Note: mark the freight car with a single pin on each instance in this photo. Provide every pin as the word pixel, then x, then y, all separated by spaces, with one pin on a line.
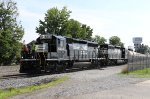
pixel 57 52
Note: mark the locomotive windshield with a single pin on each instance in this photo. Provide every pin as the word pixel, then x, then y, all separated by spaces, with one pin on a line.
pixel 104 47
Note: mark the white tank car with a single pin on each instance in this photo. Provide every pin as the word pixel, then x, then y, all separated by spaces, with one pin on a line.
pixel 134 56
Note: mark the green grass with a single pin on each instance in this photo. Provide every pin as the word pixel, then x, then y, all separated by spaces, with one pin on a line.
pixel 145 73
pixel 141 73
pixel 15 91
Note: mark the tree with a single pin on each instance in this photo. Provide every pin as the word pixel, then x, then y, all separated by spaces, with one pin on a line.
pixel 86 32
pixel 143 49
pixel 55 21
pixel 100 40
pixel 11 32
pixel 73 28
pixel 148 50
pixel 77 30
pixel 121 44
pixel 115 40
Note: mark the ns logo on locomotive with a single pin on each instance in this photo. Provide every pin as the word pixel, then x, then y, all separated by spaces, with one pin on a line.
pixel 49 53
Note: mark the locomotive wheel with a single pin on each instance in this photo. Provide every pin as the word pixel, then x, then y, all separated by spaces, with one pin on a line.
pixel 64 67
pixel 70 64
pixel 99 65
pixel 102 63
pixel 116 63
pixel 22 69
pixel 94 64
pixel 56 68
pixel 37 70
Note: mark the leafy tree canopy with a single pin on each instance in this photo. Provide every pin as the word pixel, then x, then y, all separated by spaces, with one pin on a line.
pixel 100 40
pixel 144 49
pixel 54 22
pixel 73 28
pixel 115 40
pixel 57 22
pixel 86 32
pixel 11 32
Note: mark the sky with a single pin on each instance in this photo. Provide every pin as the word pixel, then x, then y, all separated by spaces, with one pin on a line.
pixel 123 18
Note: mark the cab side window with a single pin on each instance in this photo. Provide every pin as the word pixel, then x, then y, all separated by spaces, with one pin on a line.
pixel 53 45
pixel 60 43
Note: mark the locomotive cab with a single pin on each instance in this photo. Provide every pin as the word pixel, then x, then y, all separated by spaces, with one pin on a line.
pixel 56 54
pixel 54 46
pixel 103 51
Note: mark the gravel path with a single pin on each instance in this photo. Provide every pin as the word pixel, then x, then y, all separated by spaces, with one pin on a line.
pixel 84 82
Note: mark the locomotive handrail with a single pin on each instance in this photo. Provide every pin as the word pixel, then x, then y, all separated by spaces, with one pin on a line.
pixel 78 54
pixel 44 61
pixel 50 51
pixel 74 55
pixel 39 58
pixel 28 59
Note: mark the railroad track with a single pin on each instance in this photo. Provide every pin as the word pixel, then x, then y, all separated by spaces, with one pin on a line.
pixel 12 72
pixel 9 74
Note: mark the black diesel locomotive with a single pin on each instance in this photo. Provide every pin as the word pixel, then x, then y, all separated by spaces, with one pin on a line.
pixel 110 54
pixel 55 53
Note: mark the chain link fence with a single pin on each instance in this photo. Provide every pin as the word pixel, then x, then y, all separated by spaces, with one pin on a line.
pixel 137 61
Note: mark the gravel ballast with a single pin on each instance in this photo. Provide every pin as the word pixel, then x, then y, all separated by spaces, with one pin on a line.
pixel 11 78
pixel 15 83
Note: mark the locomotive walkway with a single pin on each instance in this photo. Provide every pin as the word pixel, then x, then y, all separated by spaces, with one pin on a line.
pixel 95 84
